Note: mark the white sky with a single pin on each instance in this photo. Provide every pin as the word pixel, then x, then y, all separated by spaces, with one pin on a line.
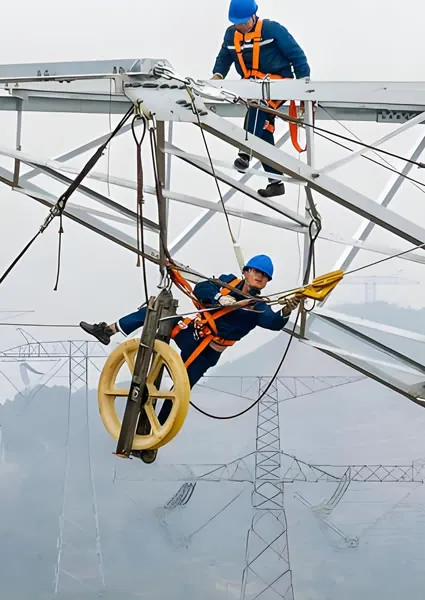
pixel 99 281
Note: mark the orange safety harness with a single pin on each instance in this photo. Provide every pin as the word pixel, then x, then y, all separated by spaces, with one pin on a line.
pixel 255 36
pixel 204 323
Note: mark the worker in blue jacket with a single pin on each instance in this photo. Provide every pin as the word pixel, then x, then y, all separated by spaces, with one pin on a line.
pixel 259 47
pixel 231 327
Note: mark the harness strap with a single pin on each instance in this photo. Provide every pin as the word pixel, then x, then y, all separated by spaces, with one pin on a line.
pixel 255 37
pixel 204 322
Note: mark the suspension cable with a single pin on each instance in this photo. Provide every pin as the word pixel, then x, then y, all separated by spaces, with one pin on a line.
pixel 59 207
pixel 316 128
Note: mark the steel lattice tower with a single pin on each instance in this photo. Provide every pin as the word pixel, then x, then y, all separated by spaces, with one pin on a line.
pixel 267 574
pixel 79 564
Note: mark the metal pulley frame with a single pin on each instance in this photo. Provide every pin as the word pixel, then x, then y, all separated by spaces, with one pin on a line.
pixel 146 359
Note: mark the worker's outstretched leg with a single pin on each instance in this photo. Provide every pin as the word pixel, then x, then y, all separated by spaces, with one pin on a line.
pixel 262 125
pixel 126 325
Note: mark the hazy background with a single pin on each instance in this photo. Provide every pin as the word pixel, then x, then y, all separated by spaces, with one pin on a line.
pixel 361 423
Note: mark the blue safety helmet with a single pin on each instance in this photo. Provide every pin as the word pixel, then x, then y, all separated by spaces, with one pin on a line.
pixel 240 11
pixel 262 263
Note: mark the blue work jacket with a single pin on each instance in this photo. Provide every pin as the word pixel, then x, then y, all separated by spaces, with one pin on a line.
pixel 239 322
pixel 280 54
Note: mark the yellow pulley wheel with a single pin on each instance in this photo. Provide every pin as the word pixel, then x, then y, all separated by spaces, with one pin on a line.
pixel 163 356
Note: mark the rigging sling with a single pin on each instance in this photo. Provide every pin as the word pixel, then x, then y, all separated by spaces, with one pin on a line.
pixel 204 323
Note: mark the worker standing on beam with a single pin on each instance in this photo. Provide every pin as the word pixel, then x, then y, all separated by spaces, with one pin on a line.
pixel 259 48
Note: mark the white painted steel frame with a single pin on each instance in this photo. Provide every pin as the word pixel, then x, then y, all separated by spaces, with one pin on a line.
pixel 384 101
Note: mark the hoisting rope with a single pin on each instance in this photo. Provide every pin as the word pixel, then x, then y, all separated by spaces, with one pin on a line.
pixel 181 283
pixel 315 128
pixel 310 261
pixel 58 209
pixel 236 247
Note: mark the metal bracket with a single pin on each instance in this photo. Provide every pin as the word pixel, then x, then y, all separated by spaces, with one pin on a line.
pixel 154 328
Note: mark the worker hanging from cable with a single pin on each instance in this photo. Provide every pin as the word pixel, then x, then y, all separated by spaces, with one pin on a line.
pixel 203 339
pixel 257 48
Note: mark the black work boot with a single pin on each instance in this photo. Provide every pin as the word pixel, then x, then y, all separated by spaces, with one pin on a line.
pixel 274 188
pixel 101 331
pixel 241 164
pixel 144 428
pixel 148 456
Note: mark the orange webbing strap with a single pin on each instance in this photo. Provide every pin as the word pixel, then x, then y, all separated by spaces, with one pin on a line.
pixel 199 348
pixel 255 36
pixel 184 285
pixel 205 342
pixel 207 320
pixel 293 127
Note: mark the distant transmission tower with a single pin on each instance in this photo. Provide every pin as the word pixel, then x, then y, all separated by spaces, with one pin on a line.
pixel 79 565
pixel 267 571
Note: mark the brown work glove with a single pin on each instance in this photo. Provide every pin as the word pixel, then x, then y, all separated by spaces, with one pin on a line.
pixel 289 304
pixel 217 76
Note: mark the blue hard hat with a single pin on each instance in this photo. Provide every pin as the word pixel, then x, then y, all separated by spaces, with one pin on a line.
pixel 262 263
pixel 240 11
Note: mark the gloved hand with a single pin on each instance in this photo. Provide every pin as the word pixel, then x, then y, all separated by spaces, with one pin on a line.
pixel 217 76
pixel 289 304
pixel 226 300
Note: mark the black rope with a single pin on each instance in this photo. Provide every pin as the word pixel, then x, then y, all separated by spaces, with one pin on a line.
pixel 20 255
pixel 140 201
pixel 418 184
pixel 289 119
pixel 59 207
pixel 196 113
pixel 160 198
pixel 310 262
pixel 263 393
pixel 59 251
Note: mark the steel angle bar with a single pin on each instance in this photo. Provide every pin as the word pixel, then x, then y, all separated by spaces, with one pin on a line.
pixel 100 213
pixel 350 346
pixel 324 184
pixel 36 71
pixel 213 207
pixel 202 220
pixel 376 248
pixel 394 93
pixel 358 336
pixel 94 224
pixel 185 199
pixel 98 197
pixel 43 167
pixel 393 186
pixel 365 368
pixel 360 152
pixel 329 324
pixel 229 166
pixel 243 188
pixel 358 321
pixel 365 359
pixel 95 143
pixel 124 240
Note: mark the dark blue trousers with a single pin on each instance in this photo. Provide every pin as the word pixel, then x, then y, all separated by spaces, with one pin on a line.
pixel 255 121
pixel 187 343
